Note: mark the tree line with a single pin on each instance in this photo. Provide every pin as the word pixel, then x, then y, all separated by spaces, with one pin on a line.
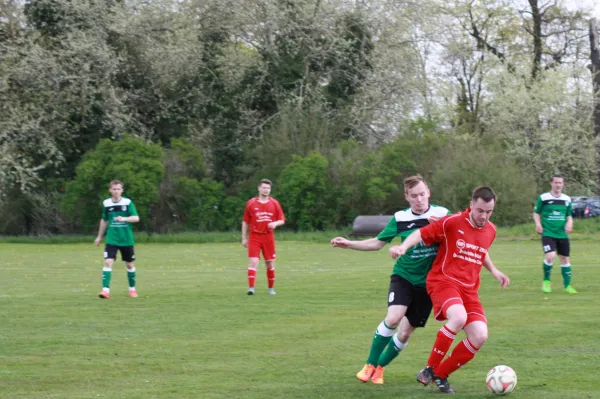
pixel 190 103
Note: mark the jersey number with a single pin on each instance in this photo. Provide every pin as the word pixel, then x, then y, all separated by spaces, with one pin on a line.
pixel 546 248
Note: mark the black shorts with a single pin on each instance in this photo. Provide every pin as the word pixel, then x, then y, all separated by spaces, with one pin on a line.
pixel 561 245
pixel 127 254
pixel 416 299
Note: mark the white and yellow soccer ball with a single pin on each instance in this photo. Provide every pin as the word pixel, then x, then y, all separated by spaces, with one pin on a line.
pixel 501 380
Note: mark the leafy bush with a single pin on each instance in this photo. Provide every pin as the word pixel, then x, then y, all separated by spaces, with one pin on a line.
pixel 468 163
pixel 136 163
pixel 304 185
pixel 203 205
pixel 188 200
pixel 360 183
pixel 415 151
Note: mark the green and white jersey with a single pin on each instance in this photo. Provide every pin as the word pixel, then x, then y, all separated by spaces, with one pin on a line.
pixel 553 213
pixel 118 233
pixel 416 263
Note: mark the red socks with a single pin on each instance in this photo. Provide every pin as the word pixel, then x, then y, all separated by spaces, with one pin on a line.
pixel 442 344
pixel 271 277
pixel 461 355
pixel 251 276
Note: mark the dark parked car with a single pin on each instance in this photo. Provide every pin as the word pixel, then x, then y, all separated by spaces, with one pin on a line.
pixel 581 205
pixel 592 207
pixel 578 207
pixel 578 198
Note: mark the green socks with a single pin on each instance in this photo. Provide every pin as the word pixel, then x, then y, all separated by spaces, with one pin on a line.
pixel 392 350
pixel 547 271
pixel 106 274
pixel 131 277
pixel 382 337
pixel 565 271
pixel 566 274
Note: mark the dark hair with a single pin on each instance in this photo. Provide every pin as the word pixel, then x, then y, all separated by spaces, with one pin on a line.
pixel 557 175
pixel 485 193
pixel 412 181
pixel 115 182
pixel 265 181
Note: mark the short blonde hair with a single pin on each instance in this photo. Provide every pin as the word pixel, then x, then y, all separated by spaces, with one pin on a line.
pixel 115 182
pixel 412 181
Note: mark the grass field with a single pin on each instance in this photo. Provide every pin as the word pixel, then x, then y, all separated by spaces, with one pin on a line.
pixel 193 332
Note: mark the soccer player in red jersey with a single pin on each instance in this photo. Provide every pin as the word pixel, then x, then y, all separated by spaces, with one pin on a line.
pixel 453 283
pixel 262 216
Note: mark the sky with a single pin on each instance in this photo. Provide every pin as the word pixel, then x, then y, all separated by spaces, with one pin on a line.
pixel 593 4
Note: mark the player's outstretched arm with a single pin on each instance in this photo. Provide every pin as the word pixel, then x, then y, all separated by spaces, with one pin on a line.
pixel 413 239
pixel 128 219
pixel 498 275
pixel 372 244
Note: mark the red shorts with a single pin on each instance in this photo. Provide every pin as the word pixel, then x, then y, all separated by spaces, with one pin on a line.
pixel 446 293
pixel 262 242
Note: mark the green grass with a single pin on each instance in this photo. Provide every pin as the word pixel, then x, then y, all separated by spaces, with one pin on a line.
pixel 193 333
pixel 177 238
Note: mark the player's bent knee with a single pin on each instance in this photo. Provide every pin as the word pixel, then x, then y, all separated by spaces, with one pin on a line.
pixel 392 321
pixel 457 317
pixel 404 335
pixel 405 330
pixel 478 339
pixel 477 333
pixel 456 324
pixel 395 315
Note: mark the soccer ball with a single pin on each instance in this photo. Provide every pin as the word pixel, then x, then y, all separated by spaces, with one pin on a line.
pixel 501 380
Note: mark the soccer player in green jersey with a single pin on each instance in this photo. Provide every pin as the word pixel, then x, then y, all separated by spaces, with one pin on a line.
pixel 118 213
pixel 554 221
pixel 409 305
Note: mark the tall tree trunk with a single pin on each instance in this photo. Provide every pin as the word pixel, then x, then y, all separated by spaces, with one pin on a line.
pixel 537 38
pixel 595 68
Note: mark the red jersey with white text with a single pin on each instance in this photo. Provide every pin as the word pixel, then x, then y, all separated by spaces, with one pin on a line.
pixel 463 248
pixel 259 214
